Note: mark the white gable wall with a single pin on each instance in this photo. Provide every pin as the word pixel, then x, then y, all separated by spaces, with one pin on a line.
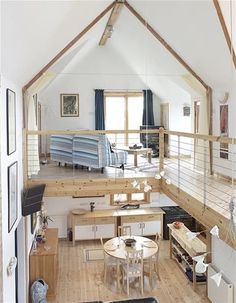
pixel 103 68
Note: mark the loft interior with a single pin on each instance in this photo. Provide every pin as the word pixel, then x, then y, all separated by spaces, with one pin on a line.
pixel 108 104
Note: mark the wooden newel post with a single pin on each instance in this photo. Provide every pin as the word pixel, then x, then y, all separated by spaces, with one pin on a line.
pixel 161 148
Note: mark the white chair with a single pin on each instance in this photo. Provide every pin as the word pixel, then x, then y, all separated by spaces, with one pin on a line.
pixel 133 268
pixel 109 262
pixel 151 265
pixel 158 240
pixel 124 230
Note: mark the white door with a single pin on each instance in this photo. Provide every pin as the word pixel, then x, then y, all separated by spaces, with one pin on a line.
pixel 84 232
pixel 151 228
pixel 105 231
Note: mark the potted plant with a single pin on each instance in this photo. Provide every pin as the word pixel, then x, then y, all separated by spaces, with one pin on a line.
pixel 44 219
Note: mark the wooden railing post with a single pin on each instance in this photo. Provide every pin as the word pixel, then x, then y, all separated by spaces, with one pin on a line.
pixel 25 157
pixel 161 148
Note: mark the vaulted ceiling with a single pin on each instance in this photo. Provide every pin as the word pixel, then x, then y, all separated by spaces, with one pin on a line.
pixel 33 32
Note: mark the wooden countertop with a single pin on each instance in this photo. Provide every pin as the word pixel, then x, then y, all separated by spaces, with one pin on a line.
pixel 194 247
pixel 50 246
pixel 120 212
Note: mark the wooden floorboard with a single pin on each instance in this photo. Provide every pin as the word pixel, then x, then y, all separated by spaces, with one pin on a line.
pixel 80 281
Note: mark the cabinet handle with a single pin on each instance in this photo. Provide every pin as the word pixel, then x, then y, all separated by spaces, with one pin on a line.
pixel 143 225
pixel 96 228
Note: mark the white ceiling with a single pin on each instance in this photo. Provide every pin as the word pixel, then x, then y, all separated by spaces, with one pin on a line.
pixel 33 32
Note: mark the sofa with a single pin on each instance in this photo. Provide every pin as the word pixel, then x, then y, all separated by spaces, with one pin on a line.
pixel 90 150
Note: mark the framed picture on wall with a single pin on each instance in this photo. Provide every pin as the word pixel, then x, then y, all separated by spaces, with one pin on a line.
pixel 69 105
pixel 11 121
pixel 12 195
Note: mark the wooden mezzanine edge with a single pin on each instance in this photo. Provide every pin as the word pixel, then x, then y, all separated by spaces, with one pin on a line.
pixel 90 187
pixel 206 216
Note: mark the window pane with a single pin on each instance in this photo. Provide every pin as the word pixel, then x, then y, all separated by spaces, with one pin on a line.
pixel 135 113
pixel 120 198
pixel 115 118
pixel 137 196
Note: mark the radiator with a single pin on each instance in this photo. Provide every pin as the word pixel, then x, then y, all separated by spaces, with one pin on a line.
pixel 221 294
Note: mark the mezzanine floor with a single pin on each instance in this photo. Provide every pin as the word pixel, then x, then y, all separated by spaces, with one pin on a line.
pixel 80 281
pixel 215 192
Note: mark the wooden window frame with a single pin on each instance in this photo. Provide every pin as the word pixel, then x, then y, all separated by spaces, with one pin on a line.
pixel 126 96
pixel 129 200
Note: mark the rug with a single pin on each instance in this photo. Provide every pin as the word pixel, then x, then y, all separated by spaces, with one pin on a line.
pixel 93 254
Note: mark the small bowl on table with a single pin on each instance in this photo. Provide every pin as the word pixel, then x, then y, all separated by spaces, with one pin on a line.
pixel 130 242
pixel 177 224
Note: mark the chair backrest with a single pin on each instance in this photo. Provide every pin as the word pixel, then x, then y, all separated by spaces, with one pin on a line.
pixel 134 257
pixel 124 230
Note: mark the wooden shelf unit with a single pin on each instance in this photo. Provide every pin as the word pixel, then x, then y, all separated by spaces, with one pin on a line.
pixel 44 262
pixel 185 249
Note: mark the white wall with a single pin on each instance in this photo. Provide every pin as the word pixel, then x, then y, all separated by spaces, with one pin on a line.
pixel 8 238
pixel 59 208
pixel 224 166
pixel 224 258
pixel 177 99
pixel 102 68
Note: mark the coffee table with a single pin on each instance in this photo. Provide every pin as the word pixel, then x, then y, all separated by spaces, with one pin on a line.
pixel 136 152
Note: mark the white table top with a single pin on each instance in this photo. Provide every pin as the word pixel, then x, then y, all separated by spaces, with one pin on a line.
pixel 116 247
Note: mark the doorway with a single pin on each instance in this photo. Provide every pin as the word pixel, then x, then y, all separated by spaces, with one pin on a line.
pixel 164 121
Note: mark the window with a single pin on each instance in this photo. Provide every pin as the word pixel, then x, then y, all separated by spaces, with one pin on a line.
pixel 119 115
pixel 131 198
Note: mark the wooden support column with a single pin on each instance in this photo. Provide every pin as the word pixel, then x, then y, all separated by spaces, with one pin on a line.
pixel 161 148
pixel 209 114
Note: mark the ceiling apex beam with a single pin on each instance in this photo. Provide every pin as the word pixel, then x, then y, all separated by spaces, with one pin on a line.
pixel 164 43
pixel 68 46
pixel 110 23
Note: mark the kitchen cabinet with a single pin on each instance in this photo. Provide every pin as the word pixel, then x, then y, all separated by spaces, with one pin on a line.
pixel 144 225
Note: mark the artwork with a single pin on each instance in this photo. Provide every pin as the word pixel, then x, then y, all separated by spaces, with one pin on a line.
pixel 12 195
pixel 11 122
pixel 69 105
pixel 224 131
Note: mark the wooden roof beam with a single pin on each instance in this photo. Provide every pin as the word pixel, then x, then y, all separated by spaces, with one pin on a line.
pixel 225 30
pixel 68 46
pixel 110 23
pixel 164 43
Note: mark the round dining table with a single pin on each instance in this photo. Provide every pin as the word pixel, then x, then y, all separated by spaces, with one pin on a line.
pixel 117 248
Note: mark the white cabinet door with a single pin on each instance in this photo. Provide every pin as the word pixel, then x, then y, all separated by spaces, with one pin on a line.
pixel 151 228
pixel 105 231
pixel 84 232
pixel 136 228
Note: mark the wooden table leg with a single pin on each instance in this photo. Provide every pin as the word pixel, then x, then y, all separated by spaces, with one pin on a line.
pixel 149 154
pixel 135 159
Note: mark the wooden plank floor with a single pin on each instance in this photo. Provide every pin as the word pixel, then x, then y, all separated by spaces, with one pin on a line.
pixel 80 281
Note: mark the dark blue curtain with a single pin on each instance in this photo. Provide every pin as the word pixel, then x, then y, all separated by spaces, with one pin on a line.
pixel 148 117
pixel 99 109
